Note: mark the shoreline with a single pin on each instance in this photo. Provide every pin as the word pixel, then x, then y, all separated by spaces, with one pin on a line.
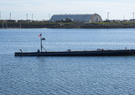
pixel 60 25
pixel 69 28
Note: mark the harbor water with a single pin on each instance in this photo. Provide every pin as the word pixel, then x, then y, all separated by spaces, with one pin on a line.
pixel 66 75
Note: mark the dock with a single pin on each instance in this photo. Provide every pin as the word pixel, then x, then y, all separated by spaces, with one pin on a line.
pixel 80 53
pixel 69 52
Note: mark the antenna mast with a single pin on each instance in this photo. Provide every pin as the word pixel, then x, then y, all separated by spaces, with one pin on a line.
pixel 26 16
pixel 133 17
pixel 0 15
pixel 108 14
pixel 10 16
pixel 32 17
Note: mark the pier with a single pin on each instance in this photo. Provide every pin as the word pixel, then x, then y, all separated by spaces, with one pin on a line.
pixel 80 53
pixel 98 52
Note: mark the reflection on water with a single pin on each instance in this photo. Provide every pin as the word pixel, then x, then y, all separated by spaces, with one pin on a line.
pixel 66 75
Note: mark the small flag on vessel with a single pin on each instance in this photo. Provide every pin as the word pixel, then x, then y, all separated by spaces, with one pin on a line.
pixel 39 35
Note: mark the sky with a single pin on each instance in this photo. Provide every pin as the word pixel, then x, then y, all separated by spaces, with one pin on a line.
pixel 44 9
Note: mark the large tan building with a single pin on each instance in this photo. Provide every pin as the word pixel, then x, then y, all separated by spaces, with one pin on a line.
pixel 85 18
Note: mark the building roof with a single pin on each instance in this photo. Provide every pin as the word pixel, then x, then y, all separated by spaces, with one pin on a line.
pixel 74 17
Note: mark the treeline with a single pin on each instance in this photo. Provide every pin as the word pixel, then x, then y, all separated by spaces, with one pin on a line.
pixel 23 24
pixel 63 24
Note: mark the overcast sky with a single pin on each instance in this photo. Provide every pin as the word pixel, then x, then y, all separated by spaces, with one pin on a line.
pixel 44 9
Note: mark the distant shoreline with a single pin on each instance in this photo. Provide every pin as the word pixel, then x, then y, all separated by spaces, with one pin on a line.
pixel 64 25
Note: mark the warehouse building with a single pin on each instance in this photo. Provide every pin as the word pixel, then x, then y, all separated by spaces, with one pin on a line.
pixel 85 18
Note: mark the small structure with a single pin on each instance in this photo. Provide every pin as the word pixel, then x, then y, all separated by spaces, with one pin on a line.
pixel 41 39
pixel 85 18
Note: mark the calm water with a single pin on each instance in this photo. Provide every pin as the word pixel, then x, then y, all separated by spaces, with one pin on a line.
pixel 66 75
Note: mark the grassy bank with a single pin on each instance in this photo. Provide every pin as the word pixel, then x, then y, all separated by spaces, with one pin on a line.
pixel 47 24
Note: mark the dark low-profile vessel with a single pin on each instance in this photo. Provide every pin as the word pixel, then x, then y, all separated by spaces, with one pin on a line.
pixel 80 53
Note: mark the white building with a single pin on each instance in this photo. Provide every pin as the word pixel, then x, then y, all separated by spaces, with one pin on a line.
pixel 85 18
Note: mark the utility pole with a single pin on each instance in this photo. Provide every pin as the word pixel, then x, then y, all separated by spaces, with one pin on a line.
pixel 133 17
pixel 26 16
pixel 49 15
pixel 108 14
pixel 123 17
pixel 0 15
pixel 32 17
pixel 10 16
